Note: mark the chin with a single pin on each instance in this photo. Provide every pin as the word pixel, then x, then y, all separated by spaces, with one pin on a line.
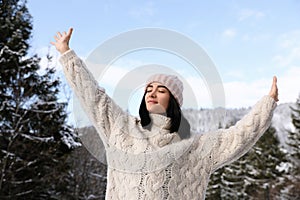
pixel 156 108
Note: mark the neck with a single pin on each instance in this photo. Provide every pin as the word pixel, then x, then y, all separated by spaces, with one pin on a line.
pixel 160 128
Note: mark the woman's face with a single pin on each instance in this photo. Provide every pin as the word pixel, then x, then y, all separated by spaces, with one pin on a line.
pixel 157 98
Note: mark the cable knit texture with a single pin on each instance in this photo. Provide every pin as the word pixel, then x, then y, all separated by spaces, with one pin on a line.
pixel 157 164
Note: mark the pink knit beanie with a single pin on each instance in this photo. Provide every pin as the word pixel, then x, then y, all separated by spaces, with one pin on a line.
pixel 174 85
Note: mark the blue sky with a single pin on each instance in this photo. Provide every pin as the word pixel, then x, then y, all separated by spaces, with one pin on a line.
pixel 249 41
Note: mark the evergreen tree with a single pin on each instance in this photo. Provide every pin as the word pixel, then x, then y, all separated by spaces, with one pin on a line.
pixel 294 143
pixel 263 173
pixel 294 136
pixel 234 180
pixel 254 176
pixel 33 134
pixel 215 186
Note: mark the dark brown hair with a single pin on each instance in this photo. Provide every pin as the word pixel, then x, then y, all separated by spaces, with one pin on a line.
pixel 178 122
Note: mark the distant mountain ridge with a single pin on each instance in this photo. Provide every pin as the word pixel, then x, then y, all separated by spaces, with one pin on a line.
pixel 205 120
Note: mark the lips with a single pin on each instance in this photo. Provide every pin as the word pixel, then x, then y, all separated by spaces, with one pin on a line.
pixel 152 101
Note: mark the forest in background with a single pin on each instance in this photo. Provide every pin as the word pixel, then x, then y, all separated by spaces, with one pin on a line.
pixel 42 156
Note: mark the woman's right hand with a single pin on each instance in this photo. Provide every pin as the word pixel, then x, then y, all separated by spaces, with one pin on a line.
pixel 62 41
pixel 274 90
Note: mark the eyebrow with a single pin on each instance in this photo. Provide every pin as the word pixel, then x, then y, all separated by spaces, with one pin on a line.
pixel 159 86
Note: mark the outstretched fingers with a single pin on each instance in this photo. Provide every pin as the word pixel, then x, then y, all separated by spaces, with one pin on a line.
pixel 59 34
pixel 274 89
pixel 56 38
pixel 70 32
pixel 63 36
pixel 62 40
pixel 274 80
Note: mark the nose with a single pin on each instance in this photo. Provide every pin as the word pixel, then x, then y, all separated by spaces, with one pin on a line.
pixel 153 93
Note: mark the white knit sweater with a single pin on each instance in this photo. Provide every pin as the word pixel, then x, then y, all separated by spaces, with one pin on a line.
pixel 157 164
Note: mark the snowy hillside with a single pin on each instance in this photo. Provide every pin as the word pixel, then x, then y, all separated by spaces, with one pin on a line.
pixel 282 121
pixel 211 119
pixel 205 120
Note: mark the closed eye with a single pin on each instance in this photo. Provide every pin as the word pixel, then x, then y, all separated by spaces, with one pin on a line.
pixel 162 89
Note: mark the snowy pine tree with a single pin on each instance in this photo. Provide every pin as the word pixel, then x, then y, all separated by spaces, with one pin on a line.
pixel 254 176
pixel 294 136
pixel 215 186
pixel 33 134
pixel 294 144
pixel 234 180
pixel 263 173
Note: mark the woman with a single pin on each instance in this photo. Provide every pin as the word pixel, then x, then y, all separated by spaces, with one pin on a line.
pixel 155 157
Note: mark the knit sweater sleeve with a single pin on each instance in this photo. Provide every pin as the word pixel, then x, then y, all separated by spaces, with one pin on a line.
pixel 232 143
pixel 99 107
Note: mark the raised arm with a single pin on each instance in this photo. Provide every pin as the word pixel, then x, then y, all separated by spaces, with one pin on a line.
pixel 227 145
pixel 100 108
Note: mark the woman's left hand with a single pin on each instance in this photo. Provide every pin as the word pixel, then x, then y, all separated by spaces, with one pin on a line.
pixel 274 90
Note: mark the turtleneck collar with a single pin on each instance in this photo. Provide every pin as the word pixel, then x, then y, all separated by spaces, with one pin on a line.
pixel 160 127
pixel 160 121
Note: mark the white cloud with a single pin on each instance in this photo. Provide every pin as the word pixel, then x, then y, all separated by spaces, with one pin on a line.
pixel 229 33
pixel 198 96
pixel 245 94
pixel 250 14
pixel 117 71
pixel 44 62
pixel 290 58
pixel 112 76
pixel 256 37
pixel 289 49
pixel 290 39
pixel 289 85
pixel 142 11
pixel 235 74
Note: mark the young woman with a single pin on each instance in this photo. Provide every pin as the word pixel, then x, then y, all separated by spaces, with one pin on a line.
pixel 155 157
